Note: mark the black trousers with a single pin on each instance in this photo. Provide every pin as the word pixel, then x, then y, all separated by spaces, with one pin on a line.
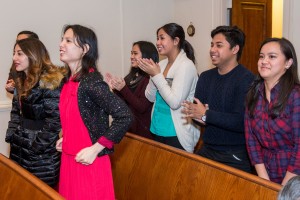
pixel 235 158
pixel 171 141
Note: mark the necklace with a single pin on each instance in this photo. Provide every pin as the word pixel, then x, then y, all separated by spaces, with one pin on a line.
pixel 134 79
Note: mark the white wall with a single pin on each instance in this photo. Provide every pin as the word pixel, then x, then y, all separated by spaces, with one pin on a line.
pixel 205 16
pixel 140 20
pixel 291 28
pixel 48 18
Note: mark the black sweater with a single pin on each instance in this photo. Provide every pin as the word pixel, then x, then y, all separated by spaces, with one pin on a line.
pixel 225 95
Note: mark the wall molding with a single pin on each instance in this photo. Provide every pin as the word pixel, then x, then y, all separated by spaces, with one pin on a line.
pixel 219 16
pixel 5 106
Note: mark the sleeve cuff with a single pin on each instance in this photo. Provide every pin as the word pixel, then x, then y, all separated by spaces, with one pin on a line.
pixel 105 142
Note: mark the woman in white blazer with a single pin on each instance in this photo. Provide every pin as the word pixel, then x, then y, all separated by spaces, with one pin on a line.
pixel 172 81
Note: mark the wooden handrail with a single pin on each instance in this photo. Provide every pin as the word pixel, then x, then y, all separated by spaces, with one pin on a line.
pixel 145 169
pixel 18 183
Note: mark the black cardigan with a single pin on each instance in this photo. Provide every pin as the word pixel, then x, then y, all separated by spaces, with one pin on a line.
pixel 96 103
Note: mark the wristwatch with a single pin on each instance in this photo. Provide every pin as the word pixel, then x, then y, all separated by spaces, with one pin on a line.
pixel 203 118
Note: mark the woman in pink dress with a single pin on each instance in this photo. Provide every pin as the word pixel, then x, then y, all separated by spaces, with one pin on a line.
pixel 85 105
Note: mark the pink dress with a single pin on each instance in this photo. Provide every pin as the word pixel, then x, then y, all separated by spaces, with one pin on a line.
pixel 78 181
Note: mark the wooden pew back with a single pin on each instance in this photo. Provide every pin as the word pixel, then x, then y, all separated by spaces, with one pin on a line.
pixel 18 183
pixel 145 169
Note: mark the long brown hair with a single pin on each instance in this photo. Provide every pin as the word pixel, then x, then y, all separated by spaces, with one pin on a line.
pixel 39 65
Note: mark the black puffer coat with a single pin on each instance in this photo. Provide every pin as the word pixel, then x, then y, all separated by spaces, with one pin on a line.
pixel 33 131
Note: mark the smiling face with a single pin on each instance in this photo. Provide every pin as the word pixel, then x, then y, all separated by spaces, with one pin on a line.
pixel 21 61
pixel 70 52
pixel 272 63
pixel 135 54
pixel 221 53
pixel 165 44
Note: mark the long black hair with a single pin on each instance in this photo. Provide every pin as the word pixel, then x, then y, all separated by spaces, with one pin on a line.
pixel 174 30
pixel 149 51
pixel 85 36
pixel 287 81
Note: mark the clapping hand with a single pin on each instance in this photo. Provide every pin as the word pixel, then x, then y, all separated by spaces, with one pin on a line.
pixel 194 110
pixel 148 66
pixel 115 83
pixel 107 78
pixel 118 83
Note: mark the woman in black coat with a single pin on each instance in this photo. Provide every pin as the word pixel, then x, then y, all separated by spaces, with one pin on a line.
pixel 35 124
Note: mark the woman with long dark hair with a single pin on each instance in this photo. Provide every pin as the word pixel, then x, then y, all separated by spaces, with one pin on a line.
pixel 35 124
pixel 172 81
pixel 273 113
pixel 132 88
pixel 85 105
pixel 10 84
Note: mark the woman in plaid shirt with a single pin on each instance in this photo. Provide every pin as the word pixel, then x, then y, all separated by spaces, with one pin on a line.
pixel 272 118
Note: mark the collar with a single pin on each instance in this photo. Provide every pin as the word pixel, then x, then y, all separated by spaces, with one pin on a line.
pixel 274 91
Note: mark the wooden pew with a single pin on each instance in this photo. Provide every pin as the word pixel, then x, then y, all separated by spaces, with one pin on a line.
pixel 145 169
pixel 18 183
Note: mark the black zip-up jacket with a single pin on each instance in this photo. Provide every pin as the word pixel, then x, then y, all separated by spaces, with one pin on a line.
pixel 34 128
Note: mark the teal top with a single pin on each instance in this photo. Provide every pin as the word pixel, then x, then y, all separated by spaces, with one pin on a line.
pixel 161 122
